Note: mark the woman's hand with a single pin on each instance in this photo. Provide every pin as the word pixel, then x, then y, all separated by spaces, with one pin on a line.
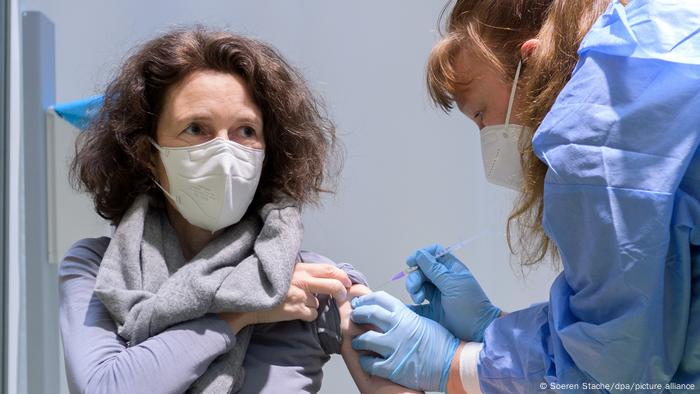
pixel 301 303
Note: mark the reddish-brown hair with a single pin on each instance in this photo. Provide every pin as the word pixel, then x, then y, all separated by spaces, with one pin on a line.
pixel 495 30
pixel 114 160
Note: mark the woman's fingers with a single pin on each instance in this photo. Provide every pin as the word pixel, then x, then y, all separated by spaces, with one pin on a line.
pixel 312 301
pixel 325 286
pixel 309 314
pixel 302 312
pixel 301 304
pixel 310 279
pixel 326 271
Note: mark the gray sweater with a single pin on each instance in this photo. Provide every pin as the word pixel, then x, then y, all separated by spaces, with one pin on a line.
pixel 285 357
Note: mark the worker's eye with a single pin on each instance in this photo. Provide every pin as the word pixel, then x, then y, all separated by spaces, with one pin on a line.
pixel 479 116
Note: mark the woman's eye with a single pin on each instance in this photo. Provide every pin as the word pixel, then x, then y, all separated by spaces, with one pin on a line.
pixel 247 132
pixel 193 129
pixel 479 116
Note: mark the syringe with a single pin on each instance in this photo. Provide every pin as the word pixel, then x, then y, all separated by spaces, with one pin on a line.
pixel 445 251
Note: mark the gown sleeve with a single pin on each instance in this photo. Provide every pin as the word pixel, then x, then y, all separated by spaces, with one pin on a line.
pixel 620 202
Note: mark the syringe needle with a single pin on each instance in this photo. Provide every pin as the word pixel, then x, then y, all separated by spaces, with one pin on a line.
pixel 457 246
pixel 447 250
pixel 398 276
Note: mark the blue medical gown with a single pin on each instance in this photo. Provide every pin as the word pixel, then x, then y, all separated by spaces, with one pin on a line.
pixel 622 203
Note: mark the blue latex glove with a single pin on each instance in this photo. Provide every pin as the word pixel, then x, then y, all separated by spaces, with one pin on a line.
pixel 456 299
pixel 412 351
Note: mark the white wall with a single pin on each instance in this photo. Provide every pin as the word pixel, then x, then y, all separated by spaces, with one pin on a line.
pixel 412 174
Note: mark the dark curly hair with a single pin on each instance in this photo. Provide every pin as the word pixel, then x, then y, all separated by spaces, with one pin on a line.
pixel 114 160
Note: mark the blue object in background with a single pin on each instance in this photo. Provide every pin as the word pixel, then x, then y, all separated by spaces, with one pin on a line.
pixel 79 113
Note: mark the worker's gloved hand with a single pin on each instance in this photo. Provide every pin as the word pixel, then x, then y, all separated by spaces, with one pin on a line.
pixel 455 298
pixel 410 350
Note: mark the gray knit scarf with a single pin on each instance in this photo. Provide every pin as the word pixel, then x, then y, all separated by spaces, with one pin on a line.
pixel 147 286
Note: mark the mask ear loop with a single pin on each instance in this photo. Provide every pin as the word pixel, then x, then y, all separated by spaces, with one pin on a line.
pixel 161 151
pixel 512 93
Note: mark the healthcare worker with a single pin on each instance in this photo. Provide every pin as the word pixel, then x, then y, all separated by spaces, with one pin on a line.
pixel 599 132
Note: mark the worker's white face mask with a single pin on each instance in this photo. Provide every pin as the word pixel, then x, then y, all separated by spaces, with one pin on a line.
pixel 499 148
pixel 212 184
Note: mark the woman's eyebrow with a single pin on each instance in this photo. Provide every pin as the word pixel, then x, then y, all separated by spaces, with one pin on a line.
pixel 188 117
pixel 249 116
pixel 204 116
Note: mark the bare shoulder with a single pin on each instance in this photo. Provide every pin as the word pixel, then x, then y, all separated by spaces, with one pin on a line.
pixel 365 383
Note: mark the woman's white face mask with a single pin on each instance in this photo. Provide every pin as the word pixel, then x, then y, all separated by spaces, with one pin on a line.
pixel 499 148
pixel 212 184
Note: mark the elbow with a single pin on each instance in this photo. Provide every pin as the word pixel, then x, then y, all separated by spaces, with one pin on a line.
pixel 107 378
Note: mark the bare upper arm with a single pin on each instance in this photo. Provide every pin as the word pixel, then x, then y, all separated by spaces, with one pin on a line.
pixel 365 383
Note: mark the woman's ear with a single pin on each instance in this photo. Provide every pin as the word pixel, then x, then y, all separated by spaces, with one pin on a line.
pixel 153 163
pixel 528 48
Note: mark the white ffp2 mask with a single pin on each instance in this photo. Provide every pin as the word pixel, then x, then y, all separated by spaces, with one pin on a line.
pixel 213 183
pixel 499 148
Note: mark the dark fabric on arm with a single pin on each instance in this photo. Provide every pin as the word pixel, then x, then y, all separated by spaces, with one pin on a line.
pixel 98 360
pixel 328 322
pixel 288 357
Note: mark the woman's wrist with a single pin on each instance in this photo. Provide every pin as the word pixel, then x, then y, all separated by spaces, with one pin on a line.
pixel 238 320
